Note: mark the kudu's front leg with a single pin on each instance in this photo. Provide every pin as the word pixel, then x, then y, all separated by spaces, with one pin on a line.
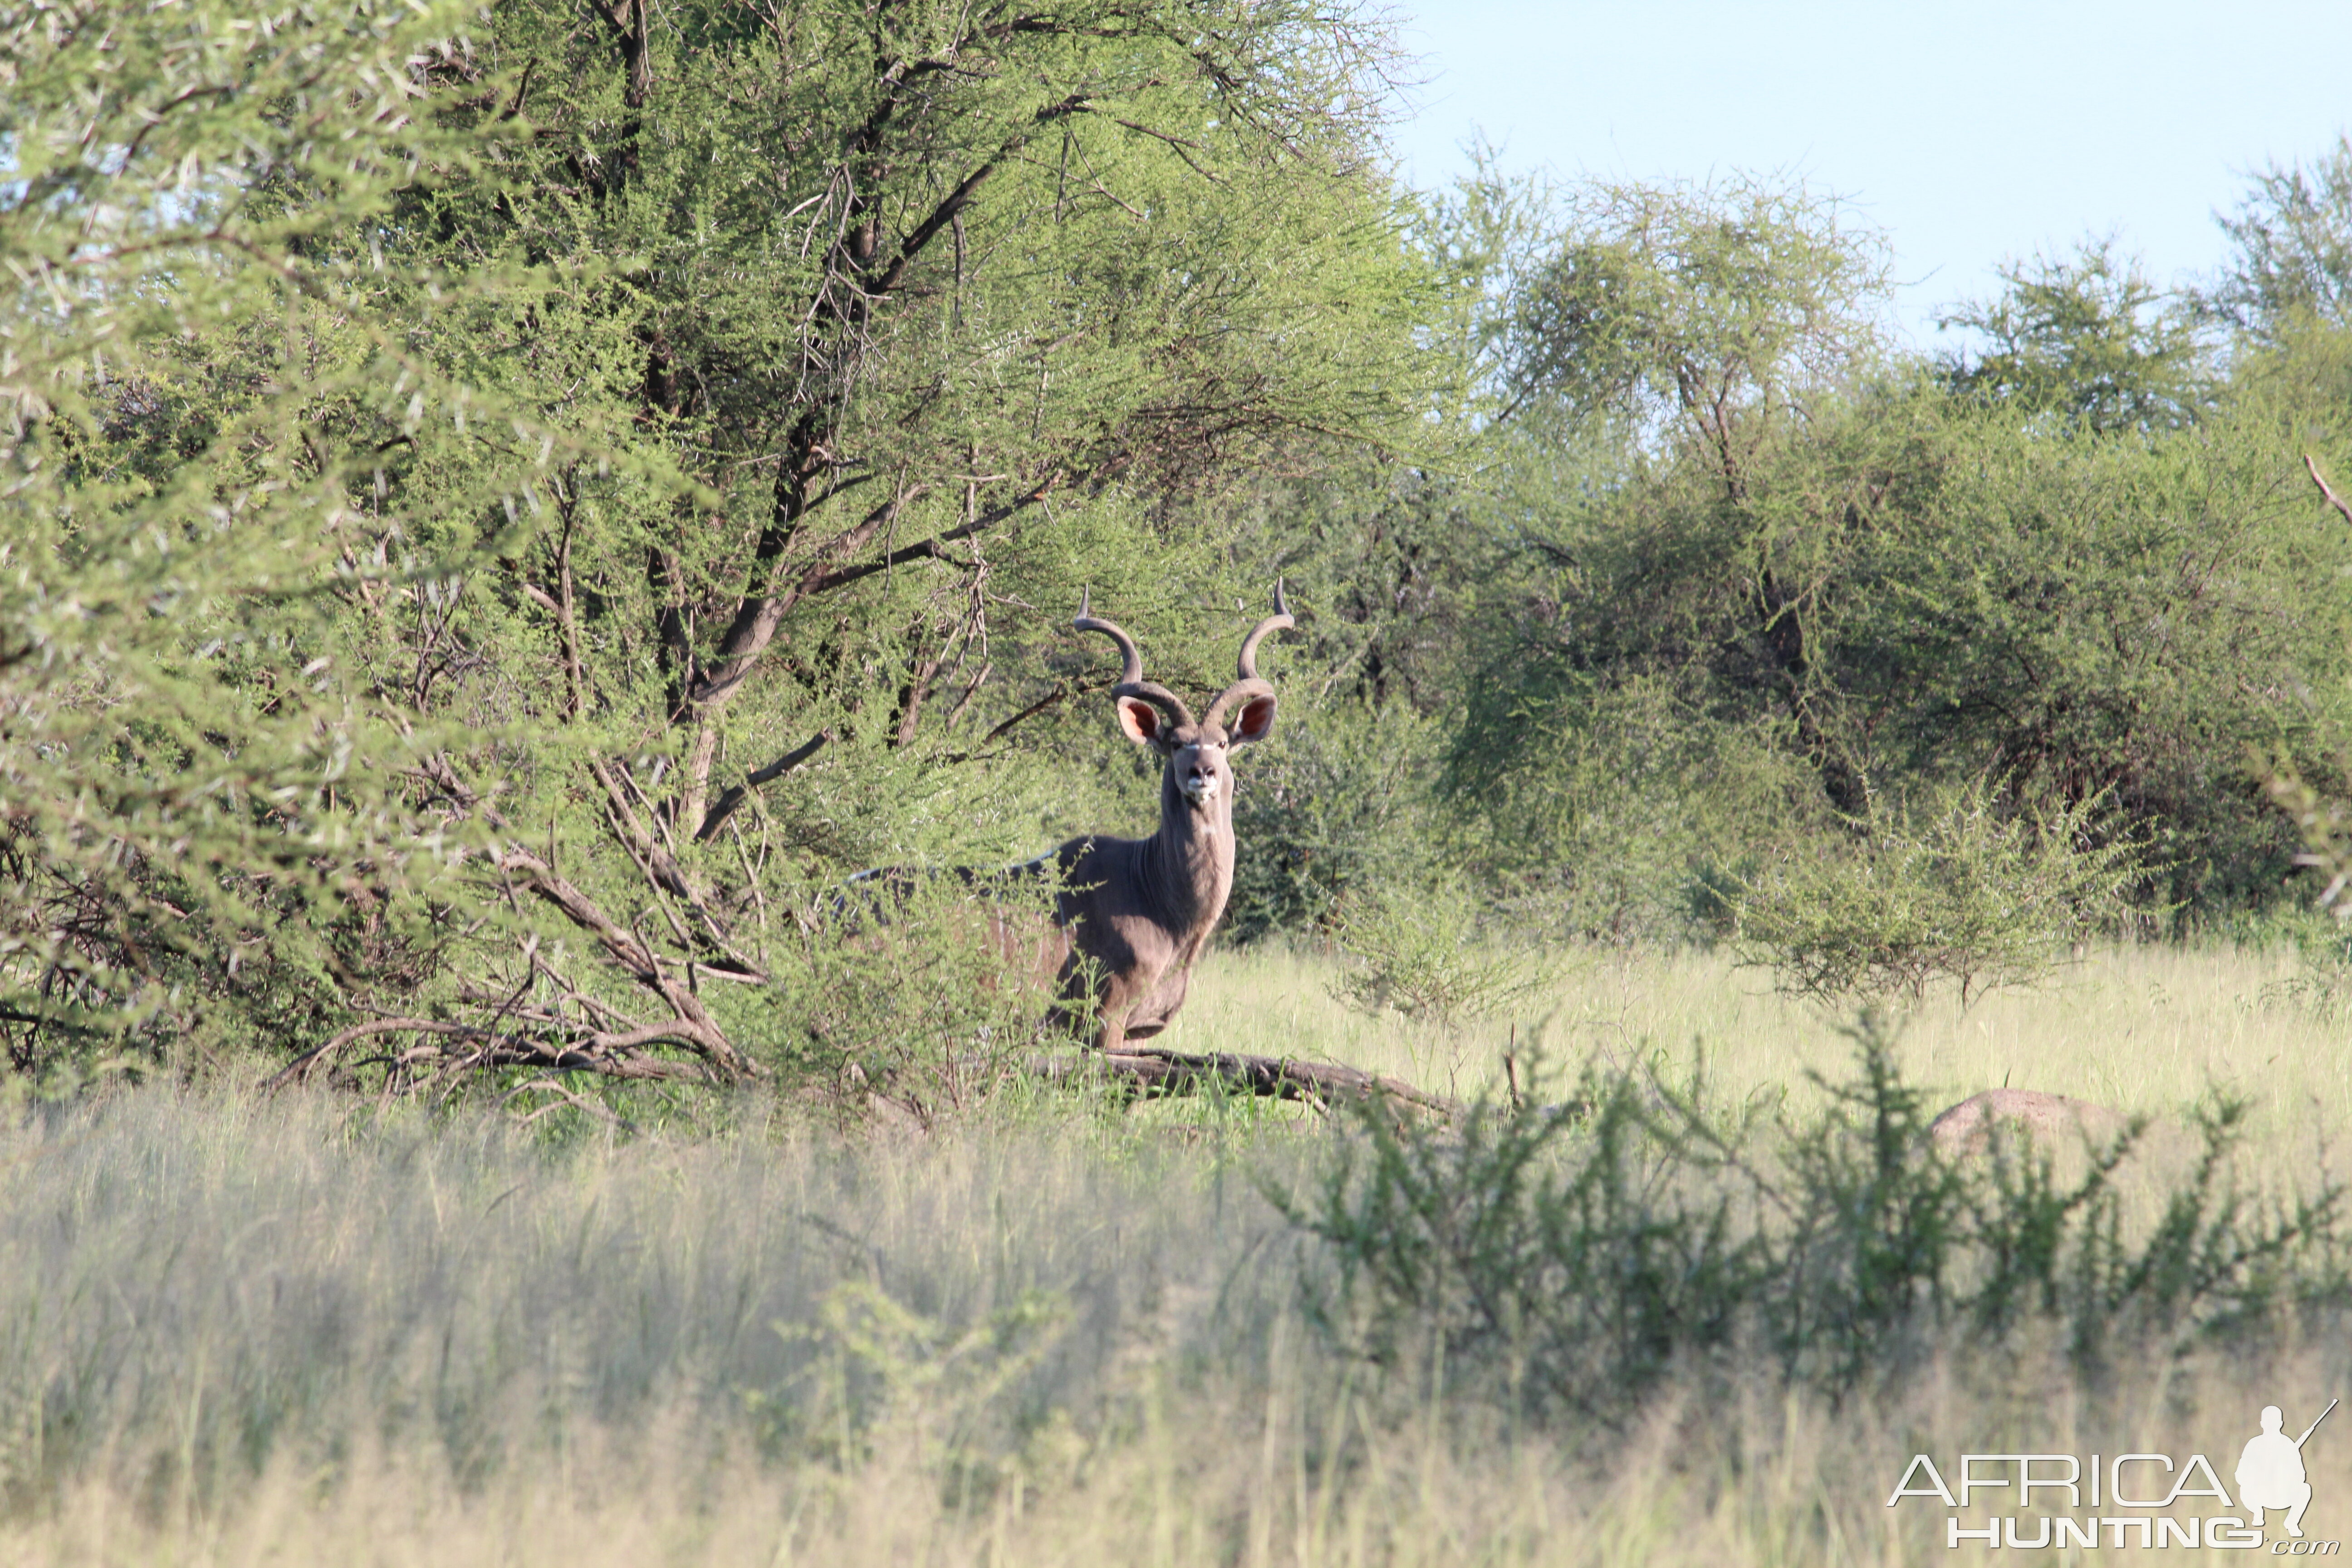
pixel 1089 996
pixel 1118 997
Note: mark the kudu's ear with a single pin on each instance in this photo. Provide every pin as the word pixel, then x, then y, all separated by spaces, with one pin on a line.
pixel 1144 724
pixel 1254 722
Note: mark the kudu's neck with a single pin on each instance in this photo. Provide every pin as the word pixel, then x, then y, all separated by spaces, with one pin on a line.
pixel 1190 861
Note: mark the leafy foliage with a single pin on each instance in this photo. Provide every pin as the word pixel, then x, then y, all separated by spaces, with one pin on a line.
pixel 1423 951
pixel 2294 237
pixel 1336 809
pixel 1963 891
pixel 2086 337
pixel 1916 591
pixel 202 814
pixel 502 507
pixel 1709 312
pixel 1570 1258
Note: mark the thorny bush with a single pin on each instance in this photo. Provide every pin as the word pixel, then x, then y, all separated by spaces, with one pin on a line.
pixel 1575 1255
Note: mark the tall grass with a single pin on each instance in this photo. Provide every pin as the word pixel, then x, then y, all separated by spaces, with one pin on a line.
pixel 2144 1030
pixel 309 1330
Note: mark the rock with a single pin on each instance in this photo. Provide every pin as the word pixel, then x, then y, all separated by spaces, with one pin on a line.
pixel 1967 1128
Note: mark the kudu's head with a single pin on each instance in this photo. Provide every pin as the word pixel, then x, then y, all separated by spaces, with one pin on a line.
pixel 1196 750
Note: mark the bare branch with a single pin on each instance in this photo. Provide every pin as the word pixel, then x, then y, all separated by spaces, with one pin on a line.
pixel 2333 498
pixel 299 1067
pixel 564 1097
pixel 659 863
pixel 954 203
pixel 632 954
pixel 575 669
pixel 154 117
pixel 1184 149
pixel 758 617
pixel 437 771
pixel 825 581
pixel 737 794
pixel 1051 699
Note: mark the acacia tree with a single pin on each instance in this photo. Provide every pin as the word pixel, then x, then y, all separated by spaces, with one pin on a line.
pixel 753 387
pixel 200 404
pixel 900 276
pixel 2293 234
pixel 1708 314
pixel 1708 321
pixel 2085 337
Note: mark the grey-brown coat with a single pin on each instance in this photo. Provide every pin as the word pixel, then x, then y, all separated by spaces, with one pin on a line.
pixel 1135 914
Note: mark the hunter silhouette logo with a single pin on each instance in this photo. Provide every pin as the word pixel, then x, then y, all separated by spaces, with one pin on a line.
pixel 2270 1472
pixel 2132 1500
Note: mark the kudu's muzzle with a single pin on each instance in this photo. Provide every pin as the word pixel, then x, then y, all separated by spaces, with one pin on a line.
pixel 1199 778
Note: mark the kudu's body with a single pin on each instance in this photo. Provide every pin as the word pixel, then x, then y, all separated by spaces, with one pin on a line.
pixel 1133 915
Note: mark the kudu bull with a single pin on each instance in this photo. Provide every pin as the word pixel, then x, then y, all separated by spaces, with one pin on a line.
pixel 1131 916
pixel 1134 914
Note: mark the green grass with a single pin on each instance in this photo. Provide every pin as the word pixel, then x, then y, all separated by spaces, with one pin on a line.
pixel 310 1330
pixel 2146 1029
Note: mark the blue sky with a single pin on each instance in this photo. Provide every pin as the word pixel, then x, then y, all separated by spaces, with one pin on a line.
pixel 1971 133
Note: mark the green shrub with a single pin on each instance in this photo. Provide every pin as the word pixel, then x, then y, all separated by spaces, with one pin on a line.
pixel 1966 892
pixel 1664 669
pixel 930 1006
pixel 1424 951
pixel 1334 806
pixel 1606 807
pixel 1572 1256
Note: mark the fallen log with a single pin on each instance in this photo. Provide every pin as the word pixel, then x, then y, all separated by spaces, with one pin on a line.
pixel 1157 1074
